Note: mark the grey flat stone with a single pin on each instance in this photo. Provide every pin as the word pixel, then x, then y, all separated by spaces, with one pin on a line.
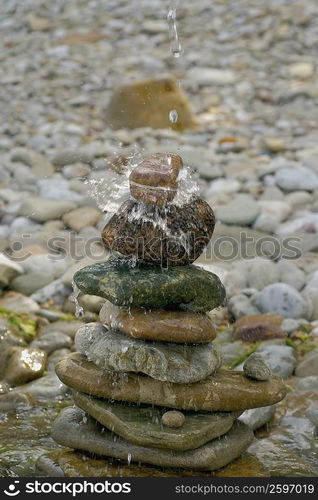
pixel 165 361
pixel 74 430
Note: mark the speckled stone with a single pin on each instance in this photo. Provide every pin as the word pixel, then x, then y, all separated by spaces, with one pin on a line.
pixel 188 288
pixel 154 180
pixel 73 430
pixel 256 368
pixel 223 391
pixel 170 235
pixel 165 361
pixel 143 425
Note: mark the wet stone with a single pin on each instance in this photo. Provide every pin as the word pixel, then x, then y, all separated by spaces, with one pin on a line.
pixel 166 326
pixel 154 180
pixel 170 235
pixel 223 391
pixel 168 362
pixel 24 364
pixel 73 430
pixel 188 288
pixel 145 426
pixel 256 368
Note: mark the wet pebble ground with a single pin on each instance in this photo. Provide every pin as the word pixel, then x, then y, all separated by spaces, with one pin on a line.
pixel 250 74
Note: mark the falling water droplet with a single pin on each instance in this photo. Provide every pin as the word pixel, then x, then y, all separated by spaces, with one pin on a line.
pixel 175 45
pixel 173 116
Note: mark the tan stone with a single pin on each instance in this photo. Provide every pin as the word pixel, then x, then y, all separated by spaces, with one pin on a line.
pixel 259 327
pixel 154 180
pixel 160 325
pixel 224 391
pixel 82 217
pixel 147 103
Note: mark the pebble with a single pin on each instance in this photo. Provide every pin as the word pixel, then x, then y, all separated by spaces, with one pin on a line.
pixel 173 419
pixel 42 210
pixel 262 273
pixel 284 300
pixel 242 211
pixel 281 359
pixel 308 366
pixel 256 368
pixel 81 217
pixel 211 76
pixel 296 178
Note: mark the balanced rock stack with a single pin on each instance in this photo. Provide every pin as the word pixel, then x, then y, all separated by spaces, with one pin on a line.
pixel 147 379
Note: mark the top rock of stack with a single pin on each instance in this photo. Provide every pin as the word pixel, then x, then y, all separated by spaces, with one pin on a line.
pixel 154 180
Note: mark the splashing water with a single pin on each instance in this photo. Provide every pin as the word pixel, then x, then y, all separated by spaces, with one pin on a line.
pixel 173 116
pixel 111 193
pixel 79 310
pixel 175 45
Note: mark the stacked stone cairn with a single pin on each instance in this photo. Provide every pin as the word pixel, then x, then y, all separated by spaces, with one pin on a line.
pixel 147 380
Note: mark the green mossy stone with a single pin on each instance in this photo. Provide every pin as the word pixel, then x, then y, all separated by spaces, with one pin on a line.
pixel 142 425
pixel 188 288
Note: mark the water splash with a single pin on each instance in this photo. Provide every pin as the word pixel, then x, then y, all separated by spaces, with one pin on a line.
pixel 173 116
pixel 79 310
pixel 110 192
pixel 175 45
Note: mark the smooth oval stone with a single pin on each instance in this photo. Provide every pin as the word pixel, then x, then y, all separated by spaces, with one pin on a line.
pixel 113 350
pixel 167 326
pixel 142 425
pixel 188 288
pixel 256 368
pixel 224 391
pixel 171 235
pixel 154 180
pixel 173 419
pixel 73 430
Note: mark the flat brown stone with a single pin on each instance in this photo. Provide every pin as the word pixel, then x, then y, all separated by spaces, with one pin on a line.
pixel 168 235
pixel 224 391
pixel 160 325
pixel 71 429
pixel 259 327
pixel 154 180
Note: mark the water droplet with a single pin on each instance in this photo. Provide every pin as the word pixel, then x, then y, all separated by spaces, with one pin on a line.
pixel 175 45
pixel 173 116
